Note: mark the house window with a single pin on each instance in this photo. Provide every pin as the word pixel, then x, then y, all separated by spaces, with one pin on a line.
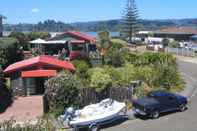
pixel 77 47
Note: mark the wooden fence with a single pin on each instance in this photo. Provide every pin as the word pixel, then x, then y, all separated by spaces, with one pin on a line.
pixel 89 95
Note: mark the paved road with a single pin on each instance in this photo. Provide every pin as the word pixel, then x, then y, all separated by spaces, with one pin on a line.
pixel 185 121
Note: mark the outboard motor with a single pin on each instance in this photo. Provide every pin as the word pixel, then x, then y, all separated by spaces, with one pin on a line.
pixel 68 115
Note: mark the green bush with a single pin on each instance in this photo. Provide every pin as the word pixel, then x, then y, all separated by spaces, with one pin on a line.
pixel 174 44
pixel 99 79
pixel 146 73
pixel 169 78
pixel 9 52
pixel 81 66
pixel 117 55
pixel 158 70
pixel 36 35
pixel 62 91
pixel 121 76
pixel 5 93
pixel 22 38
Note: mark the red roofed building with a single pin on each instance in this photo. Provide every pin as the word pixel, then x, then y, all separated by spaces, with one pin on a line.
pixel 74 43
pixel 28 76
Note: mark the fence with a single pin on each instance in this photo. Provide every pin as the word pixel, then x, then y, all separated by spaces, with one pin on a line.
pixel 181 51
pixel 89 95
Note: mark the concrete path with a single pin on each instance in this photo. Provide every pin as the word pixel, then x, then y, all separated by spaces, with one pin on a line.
pixel 187 59
pixel 24 109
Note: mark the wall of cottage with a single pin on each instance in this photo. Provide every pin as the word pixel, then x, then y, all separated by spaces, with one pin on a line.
pixel 17 85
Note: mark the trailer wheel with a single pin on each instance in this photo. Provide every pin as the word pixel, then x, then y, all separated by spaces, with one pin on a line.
pixel 75 129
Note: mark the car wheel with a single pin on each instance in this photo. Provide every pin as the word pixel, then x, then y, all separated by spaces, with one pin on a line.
pixel 182 108
pixel 94 128
pixel 155 115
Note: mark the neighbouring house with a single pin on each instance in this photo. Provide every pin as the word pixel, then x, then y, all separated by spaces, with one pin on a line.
pixel 72 43
pixel 176 33
pixel 1 25
pixel 28 76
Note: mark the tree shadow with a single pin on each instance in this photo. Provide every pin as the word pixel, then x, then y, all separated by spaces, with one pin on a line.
pixel 5 99
pixel 108 125
pixel 145 118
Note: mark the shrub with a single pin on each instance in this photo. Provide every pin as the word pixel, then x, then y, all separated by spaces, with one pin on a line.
pixel 22 39
pixel 41 125
pixel 174 44
pixel 81 66
pixel 99 79
pixel 62 91
pixel 36 35
pixel 165 42
pixel 146 73
pixel 121 76
pixel 158 70
pixel 5 93
pixel 169 78
pixel 117 55
pixel 9 52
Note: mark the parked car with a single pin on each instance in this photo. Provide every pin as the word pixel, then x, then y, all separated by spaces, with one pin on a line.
pixel 158 102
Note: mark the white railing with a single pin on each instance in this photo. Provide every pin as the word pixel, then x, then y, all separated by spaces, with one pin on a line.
pixel 181 51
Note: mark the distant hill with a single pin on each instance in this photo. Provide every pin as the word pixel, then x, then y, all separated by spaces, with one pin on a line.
pixel 111 25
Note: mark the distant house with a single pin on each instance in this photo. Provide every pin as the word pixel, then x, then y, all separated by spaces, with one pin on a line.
pixel 176 33
pixel 73 43
pixel 28 76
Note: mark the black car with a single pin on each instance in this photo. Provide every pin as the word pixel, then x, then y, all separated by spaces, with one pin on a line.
pixel 159 102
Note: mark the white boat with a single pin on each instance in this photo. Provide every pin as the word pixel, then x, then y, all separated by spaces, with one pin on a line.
pixel 95 115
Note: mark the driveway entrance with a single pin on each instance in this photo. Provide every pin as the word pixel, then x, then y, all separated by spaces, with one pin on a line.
pixel 24 109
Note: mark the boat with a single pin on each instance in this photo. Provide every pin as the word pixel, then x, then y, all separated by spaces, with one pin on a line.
pixel 95 115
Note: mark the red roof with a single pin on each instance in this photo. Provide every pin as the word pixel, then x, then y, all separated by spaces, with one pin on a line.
pixel 82 36
pixel 39 73
pixel 179 30
pixel 40 61
pixel 78 35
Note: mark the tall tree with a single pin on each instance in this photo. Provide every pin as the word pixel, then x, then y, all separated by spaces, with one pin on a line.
pixel 129 21
pixel 104 44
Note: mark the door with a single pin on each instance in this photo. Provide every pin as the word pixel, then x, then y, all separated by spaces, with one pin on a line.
pixel 40 86
pixel 173 104
pixel 164 105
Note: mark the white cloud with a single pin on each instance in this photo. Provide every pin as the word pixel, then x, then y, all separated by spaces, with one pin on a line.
pixel 35 10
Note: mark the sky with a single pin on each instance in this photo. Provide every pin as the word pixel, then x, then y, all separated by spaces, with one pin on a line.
pixel 33 11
